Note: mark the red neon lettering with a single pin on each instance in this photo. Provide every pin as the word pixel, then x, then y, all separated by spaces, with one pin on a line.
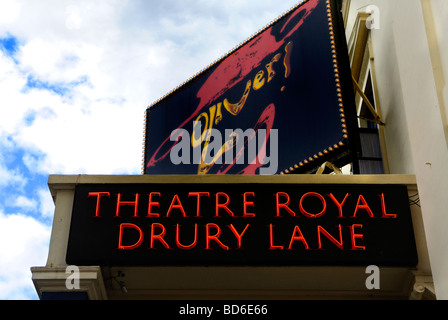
pixel 306 213
pixel 214 237
pixel 159 236
pixel 153 204
pixel 190 246
pixel 238 235
pixel 248 203
pixel 383 209
pixel 98 196
pixel 299 237
pixel 222 205
pixel 271 240
pixel 198 204
pixel 329 236
pixel 354 236
pixel 178 205
pixel 283 205
pixel 364 206
pixel 127 203
pixel 120 236
pixel 339 205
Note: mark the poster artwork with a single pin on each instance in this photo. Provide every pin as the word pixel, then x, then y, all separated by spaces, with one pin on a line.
pixel 276 104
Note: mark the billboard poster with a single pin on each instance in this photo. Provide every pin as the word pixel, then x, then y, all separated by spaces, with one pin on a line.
pixel 282 102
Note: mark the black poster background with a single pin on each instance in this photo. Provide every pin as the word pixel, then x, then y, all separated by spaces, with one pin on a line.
pixel 307 111
pixel 387 241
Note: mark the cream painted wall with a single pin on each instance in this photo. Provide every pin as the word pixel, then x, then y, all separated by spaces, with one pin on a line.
pixel 388 83
pixel 440 18
pixel 415 132
pixel 391 100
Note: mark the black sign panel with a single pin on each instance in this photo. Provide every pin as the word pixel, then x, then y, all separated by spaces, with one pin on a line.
pixel 281 102
pixel 243 224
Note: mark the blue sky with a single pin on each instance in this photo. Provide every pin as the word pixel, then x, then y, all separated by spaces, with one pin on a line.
pixel 75 80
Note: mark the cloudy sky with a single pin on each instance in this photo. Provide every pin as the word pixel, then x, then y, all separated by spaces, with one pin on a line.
pixel 75 79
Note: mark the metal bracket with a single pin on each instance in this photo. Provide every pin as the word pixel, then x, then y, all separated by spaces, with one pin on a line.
pixel 328 164
pixel 377 119
pixel 423 288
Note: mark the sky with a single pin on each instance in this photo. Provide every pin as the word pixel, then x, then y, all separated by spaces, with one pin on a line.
pixel 75 80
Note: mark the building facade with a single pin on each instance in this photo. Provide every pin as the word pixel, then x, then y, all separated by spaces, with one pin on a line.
pixel 399 62
pixel 401 57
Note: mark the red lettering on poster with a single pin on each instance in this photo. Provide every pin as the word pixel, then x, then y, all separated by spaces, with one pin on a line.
pixel 283 205
pixel 364 206
pixel 238 235
pixel 198 203
pixel 222 205
pixel 339 205
pixel 98 196
pixel 354 236
pixel 248 204
pixel 271 239
pixel 158 236
pixel 176 204
pixel 120 236
pixel 153 204
pixel 300 237
pixel 383 209
pixel 127 203
pixel 190 246
pixel 214 237
pixel 311 215
pixel 321 230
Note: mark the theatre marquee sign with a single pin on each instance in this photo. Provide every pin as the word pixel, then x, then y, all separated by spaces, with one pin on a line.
pixel 246 224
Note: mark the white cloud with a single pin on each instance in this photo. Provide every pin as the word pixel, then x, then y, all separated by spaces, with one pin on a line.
pixel 11 177
pixel 24 203
pixel 104 140
pixel 12 106
pixel 58 61
pixel 74 19
pixel 46 204
pixel 9 11
pixel 24 244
